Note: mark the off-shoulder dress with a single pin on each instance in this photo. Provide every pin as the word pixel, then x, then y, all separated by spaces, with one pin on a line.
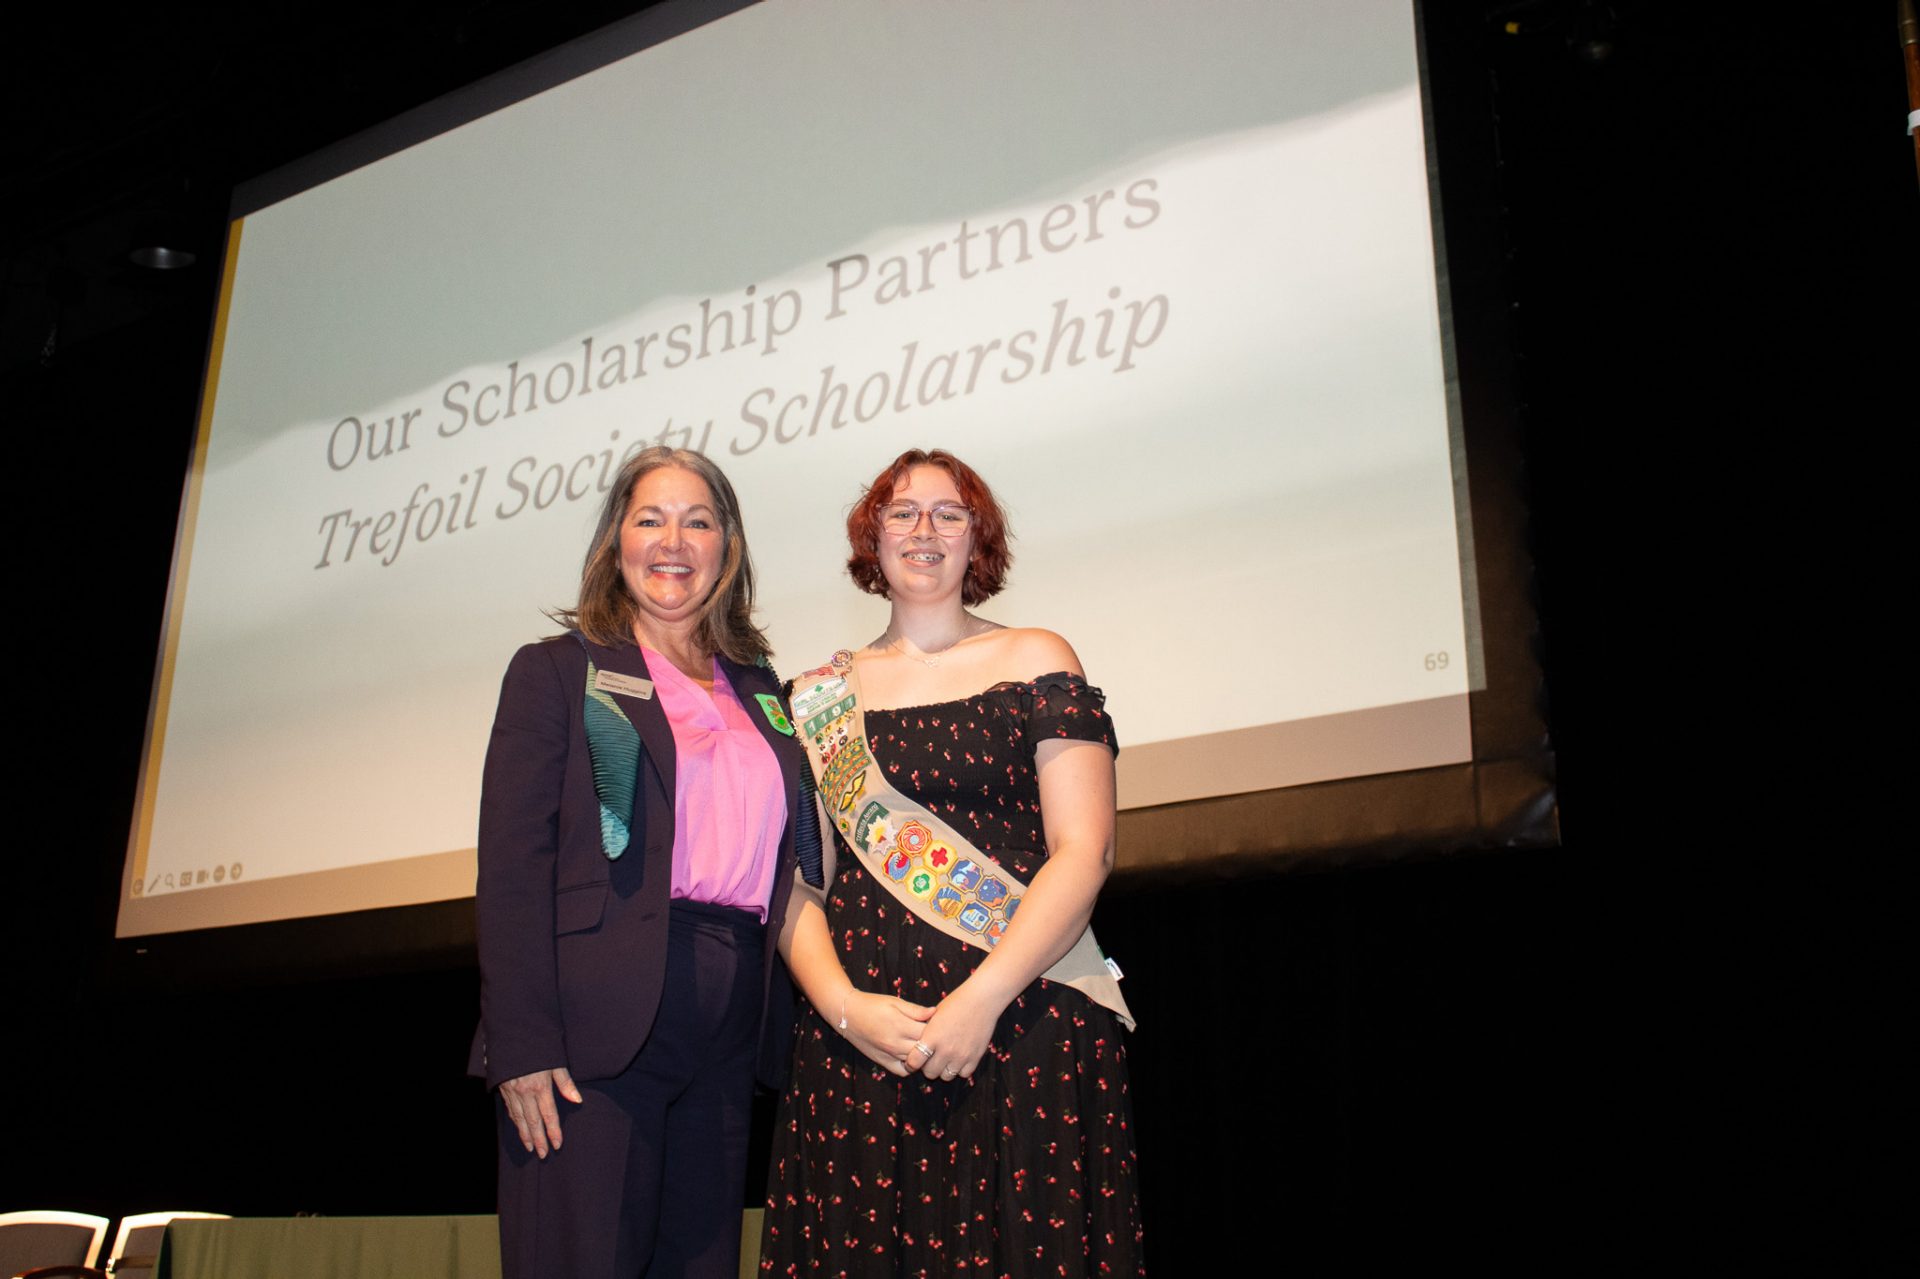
pixel 1028 1169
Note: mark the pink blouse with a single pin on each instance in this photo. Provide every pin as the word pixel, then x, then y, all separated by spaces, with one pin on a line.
pixel 729 804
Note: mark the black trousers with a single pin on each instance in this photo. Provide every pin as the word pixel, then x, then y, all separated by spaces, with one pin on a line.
pixel 650 1177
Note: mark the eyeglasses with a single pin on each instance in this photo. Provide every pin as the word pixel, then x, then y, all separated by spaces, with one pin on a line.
pixel 904 518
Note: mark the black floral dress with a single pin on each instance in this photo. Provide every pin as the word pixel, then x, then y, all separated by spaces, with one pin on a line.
pixel 1029 1168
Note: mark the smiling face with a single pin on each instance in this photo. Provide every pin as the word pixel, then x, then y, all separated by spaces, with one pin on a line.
pixel 922 564
pixel 671 546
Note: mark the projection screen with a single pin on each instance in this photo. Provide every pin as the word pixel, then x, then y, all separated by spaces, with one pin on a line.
pixel 1165 274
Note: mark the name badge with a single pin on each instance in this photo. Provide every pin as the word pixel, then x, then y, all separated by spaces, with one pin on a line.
pixel 632 686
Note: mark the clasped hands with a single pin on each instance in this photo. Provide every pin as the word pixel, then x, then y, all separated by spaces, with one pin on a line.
pixel 942 1042
pixel 946 1041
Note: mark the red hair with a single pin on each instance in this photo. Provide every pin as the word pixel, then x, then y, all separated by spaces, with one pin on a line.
pixel 986 571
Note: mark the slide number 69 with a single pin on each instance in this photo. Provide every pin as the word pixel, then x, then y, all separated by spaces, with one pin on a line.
pixel 1436 661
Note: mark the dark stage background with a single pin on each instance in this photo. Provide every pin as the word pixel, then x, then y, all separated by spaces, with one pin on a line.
pixel 1430 1057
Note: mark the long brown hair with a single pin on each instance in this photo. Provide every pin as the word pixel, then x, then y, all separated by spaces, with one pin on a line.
pixel 604 613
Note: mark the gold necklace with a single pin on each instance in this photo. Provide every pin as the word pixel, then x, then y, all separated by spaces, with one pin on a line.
pixel 933 659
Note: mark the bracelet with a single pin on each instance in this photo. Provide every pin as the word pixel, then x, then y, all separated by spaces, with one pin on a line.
pixel 843 1010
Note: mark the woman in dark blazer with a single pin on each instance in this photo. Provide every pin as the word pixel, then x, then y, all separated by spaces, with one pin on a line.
pixel 641 801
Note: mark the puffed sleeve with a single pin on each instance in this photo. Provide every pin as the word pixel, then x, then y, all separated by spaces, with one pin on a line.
pixel 1063 705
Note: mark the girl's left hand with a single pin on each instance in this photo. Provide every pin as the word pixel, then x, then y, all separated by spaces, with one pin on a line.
pixel 957 1035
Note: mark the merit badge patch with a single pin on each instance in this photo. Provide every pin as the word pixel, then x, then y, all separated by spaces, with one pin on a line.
pixel 991 891
pixel 871 828
pixel 966 874
pixel 948 901
pixel 914 837
pixel 975 918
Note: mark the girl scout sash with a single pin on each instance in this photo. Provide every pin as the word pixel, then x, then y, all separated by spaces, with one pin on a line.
pixel 922 861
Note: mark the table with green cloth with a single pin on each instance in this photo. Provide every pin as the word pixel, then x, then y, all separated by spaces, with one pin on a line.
pixel 332 1248
pixel 355 1248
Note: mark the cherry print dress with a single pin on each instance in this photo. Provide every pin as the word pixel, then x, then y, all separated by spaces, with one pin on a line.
pixel 1028 1169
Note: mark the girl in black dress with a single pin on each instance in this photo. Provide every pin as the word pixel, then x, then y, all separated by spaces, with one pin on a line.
pixel 951 1110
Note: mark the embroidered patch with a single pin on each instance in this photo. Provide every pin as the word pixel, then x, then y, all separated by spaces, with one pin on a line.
pixel 812 699
pixel 949 901
pixel 975 918
pixel 874 814
pixel 770 706
pixel 846 764
pixel 839 710
pixel 914 837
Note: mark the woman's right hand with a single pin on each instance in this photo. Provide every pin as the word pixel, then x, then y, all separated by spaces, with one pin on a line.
pixel 885 1029
pixel 530 1105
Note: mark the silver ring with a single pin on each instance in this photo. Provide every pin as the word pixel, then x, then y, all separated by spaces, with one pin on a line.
pixel 923 1048
pixel 948 1073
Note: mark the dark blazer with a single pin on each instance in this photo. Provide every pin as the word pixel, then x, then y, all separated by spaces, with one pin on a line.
pixel 573 945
